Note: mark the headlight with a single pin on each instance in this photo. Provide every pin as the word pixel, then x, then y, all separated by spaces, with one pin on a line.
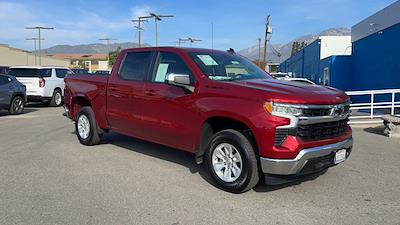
pixel 282 109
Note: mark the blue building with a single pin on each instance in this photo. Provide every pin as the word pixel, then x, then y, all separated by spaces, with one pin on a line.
pixel 370 61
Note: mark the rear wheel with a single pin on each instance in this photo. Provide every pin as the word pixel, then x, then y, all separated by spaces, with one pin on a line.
pixel 86 127
pixel 17 105
pixel 56 100
pixel 232 162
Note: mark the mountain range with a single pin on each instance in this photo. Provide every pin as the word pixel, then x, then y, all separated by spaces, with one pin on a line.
pixel 286 49
pixel 89 48
pixel 251 52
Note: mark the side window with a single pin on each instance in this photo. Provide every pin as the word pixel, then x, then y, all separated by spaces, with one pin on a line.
pixel 170 63
pixel 45 72
pixel 136 66
pixel 61 73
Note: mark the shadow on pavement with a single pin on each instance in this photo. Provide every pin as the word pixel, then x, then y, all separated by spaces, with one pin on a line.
pixel 267 188
pixel 185 159
pixel 158 151
pixel 26 111
pixel 376 130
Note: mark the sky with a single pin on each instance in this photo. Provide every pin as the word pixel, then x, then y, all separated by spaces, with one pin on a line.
pixel 236 23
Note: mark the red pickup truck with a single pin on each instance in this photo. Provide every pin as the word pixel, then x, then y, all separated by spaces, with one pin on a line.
pixel 243 124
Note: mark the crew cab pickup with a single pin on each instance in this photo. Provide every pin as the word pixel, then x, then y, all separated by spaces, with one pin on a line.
pixel 237 120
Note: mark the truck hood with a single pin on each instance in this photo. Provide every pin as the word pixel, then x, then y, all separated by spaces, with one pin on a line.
pixel 294 92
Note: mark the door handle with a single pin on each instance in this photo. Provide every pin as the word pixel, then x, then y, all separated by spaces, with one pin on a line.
pixel 150 92
pixel 113 88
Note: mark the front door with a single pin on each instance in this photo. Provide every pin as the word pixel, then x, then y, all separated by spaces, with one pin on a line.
pixel 125 93
pixel 168 115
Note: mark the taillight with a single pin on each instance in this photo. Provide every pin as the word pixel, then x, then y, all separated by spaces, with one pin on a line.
pixel 42 82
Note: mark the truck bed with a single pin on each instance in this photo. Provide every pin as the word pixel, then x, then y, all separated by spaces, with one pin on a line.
pixel 90 87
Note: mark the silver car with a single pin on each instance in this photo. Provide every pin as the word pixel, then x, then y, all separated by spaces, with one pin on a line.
pixel 12 94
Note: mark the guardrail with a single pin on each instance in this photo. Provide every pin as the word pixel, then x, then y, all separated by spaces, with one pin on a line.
pixel 376 108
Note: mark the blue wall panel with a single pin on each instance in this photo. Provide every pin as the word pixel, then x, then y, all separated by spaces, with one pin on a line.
pixel 375 61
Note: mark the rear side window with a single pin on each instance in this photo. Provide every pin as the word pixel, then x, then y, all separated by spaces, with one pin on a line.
pixel 26 72
pixel 4 80
pixel 136 66
pixel 61 73
pixel 170 63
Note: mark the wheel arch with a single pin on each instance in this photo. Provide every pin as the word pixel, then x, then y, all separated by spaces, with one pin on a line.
pixel 216 123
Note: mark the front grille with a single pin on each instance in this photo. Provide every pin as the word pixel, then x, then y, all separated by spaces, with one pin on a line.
pixel 316 112
pixel 321 131
pixel 280 135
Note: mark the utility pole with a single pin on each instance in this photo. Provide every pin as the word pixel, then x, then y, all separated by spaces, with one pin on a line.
pixel 265 42
pixel 191 40
pixel 108 47
pixel 139 26
pixel 35 45
pixel 158 18
pixel 259 51
pixel 39 28
pixel 182 41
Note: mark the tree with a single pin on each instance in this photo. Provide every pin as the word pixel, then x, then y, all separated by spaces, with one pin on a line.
pixel 298 46
pixel 112 56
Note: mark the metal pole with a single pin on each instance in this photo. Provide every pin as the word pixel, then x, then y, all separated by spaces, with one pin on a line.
pixel 34 40
pixel 393 99
pixel 372 105
pixel 155 22
pixel 259 51
pixel 40 48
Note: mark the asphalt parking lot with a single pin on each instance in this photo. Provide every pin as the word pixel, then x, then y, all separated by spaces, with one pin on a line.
pixel 47 177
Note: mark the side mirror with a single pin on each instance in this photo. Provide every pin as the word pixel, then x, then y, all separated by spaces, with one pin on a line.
pixel 180 80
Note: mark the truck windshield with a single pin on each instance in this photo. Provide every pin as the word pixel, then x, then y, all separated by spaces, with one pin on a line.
pixel 27 72
pixel 225 66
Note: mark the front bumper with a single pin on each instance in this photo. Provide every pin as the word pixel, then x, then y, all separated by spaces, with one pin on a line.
pixel 305 156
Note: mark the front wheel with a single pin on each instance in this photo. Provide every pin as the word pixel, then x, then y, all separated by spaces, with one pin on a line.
pixel 17 105
pixel 86 127
pixel 232 162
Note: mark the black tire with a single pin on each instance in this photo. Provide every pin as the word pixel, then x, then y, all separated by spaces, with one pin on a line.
pixel 249 176
pixel 95 133
pixel 17 105
pixel 55 102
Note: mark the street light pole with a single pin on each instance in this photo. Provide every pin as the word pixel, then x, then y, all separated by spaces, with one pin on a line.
pixel 158 18
pixel 259 51
pixel 39 28
pixel 34 41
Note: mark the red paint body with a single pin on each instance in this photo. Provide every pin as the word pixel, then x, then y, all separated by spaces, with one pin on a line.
pixel 170 116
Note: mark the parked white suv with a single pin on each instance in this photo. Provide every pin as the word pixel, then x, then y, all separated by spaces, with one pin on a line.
pixel 43 83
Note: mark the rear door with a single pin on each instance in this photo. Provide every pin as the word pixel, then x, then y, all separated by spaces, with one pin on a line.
pixel 6 91
pixel 125 93
pixel 168 115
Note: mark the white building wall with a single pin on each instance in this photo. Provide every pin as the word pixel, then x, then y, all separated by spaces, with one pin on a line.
pixel 335 45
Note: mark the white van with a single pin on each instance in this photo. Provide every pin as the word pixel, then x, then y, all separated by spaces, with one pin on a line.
pixel 43 83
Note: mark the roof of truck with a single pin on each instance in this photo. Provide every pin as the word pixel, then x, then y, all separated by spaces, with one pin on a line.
pixel 185 49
